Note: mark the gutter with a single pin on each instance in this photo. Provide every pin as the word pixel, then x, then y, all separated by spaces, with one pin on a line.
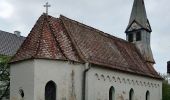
pixel 87 68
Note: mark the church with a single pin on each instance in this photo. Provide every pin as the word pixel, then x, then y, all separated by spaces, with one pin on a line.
pixel 63 59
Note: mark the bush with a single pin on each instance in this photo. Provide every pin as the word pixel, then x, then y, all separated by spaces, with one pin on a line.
pixel 4 77
pixel 165 90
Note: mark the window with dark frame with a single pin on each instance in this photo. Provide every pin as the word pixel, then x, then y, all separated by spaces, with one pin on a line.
pixel 147 95
pixel 112 93
pixel 138 36
pixel 131 94
pixel 21 92
pixel 130 37
pixel 50 91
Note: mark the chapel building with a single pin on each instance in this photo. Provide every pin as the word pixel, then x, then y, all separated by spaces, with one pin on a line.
pixel 62 59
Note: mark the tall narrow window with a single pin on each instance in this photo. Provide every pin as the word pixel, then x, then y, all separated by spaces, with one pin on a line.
pixel 50 91
pixel 138 36
pixel 112 93
pixel 131 94
pixel 130 37
pixel 147 95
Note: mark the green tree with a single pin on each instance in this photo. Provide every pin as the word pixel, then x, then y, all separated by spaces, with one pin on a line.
pixel 4 77
pixel 165 90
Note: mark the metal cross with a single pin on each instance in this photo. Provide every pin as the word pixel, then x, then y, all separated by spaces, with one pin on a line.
pixel 47 5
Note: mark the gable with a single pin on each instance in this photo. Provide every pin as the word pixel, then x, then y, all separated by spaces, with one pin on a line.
pixel 134 26
pixel 137 26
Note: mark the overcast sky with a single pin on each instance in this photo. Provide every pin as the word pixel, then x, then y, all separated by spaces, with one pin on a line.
pixel 110 16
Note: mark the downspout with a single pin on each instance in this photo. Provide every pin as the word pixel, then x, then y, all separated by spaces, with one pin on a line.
pixel 87 68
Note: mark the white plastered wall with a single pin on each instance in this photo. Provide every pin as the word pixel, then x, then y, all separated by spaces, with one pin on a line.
pixel 66 75
pixel 33 75
pixel 100 80
pixel 22 77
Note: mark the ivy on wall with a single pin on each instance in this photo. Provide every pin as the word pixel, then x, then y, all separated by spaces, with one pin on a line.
pixel 4 77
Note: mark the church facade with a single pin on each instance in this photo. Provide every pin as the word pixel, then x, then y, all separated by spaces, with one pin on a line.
pixel 62 59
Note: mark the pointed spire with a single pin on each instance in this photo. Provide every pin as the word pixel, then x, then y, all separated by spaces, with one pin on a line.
pixel 139 16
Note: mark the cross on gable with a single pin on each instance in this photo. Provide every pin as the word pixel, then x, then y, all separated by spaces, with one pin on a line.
pixel 47 6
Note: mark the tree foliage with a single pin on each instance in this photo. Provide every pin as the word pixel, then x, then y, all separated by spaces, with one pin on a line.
pixel 165 87
pixel 165 90
pixel 4 77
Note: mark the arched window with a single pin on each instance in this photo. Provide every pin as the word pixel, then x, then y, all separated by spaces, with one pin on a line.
pixel 131 94
pixel 112 93
pixel 21 92
pixel 50 91
pixel 147 95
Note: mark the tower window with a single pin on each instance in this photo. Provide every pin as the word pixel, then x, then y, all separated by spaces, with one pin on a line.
pixel 130 37
pixel 138 36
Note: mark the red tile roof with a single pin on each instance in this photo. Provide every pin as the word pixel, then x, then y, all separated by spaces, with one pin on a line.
pixel 66 39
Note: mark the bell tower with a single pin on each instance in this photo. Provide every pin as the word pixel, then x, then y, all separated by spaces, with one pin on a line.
pixel 139 30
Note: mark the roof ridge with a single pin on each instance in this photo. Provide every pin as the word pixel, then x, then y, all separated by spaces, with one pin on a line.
pixel 10 33
pixel 74 43
pixel 79 23
pixel 22 45
pixel 38 42
pixel 52 32
pixel 94 29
